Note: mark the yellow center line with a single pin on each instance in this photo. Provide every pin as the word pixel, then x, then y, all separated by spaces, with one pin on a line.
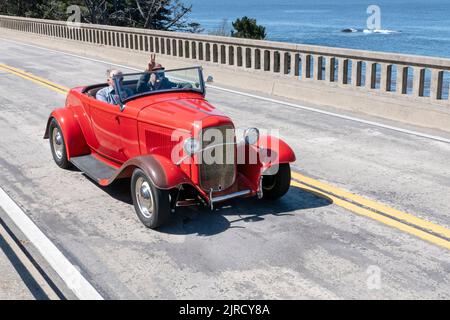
pixel 403 221
pixel 37 80
pixel 30 75
pixel 373 205
pixel 378 217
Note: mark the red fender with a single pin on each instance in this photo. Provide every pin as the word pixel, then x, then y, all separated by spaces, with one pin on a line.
pixel 73 136
pixel 161 170
pixel 274 151
pixel 256 160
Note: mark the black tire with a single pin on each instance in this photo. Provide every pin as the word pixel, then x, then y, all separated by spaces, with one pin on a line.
pixel 160 212
pixel 277 185
pixel 59 151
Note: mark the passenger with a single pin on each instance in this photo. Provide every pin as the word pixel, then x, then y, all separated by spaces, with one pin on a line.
pixel 109 94
pixel 154 78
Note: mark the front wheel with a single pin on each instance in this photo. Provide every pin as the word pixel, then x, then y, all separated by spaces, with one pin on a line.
pixel 152 205
pixel 277 185
pixel 57 145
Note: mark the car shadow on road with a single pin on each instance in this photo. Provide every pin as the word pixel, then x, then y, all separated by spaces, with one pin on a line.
pixel 240 213
pixel 119 190
pixel 236 213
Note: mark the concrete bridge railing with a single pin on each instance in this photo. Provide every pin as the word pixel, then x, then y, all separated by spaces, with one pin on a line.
pixel 313 73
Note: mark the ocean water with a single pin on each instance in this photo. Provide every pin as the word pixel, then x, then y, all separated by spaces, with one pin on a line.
pixel 420 27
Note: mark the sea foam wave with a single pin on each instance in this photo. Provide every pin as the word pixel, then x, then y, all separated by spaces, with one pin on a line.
pixel 382 31
pixel 370 31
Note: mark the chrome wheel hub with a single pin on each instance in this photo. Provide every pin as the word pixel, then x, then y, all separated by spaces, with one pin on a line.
pixel 58 145
pixel 144 197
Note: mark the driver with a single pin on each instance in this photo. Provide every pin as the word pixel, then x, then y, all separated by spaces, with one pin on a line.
pixel 154 78
pixel 110 94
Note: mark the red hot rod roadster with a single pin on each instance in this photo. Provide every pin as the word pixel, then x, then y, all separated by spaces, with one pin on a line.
pixel 177 148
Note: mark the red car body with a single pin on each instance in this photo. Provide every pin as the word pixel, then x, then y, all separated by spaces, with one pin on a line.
pixel 138 136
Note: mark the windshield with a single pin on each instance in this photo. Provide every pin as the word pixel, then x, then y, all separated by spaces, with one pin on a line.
pixel 139 84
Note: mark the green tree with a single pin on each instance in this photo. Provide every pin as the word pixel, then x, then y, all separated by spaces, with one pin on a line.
pixel 248 28
pixel 169 15
pixel 43 9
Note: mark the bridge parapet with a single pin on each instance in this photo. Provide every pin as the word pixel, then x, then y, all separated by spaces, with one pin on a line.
pixel 312 73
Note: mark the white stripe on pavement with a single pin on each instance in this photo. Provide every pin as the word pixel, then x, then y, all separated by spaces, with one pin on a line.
pixel 66 270
pixel 292 105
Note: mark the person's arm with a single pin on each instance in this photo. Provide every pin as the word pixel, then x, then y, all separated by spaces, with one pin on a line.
pixel 142 85
pixel 167 84
pixel 102 96
pixel 172 84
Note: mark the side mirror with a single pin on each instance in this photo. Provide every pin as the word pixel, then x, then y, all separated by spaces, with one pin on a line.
pixel 209 79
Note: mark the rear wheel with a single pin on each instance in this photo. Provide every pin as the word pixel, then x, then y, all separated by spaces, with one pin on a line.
pixel 152 205
pixel 57 145
pixel 277 185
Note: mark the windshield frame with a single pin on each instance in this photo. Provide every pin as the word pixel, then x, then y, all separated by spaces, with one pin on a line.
pixel 201 90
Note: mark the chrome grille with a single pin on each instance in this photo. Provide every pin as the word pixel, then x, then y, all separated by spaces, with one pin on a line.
pixel 218 164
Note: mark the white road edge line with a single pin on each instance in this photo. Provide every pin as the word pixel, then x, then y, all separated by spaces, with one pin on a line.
pixel 28 265
pixel 292 105
pixel 67 271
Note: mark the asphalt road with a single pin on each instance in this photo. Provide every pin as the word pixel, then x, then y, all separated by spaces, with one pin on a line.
pixel 304 246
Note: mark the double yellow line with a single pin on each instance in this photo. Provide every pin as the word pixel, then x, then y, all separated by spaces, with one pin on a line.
pixel 403 221
pixel 377 211
pixel 30 77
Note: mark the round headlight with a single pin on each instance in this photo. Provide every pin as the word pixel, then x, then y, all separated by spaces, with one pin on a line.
pixel 191 146
pixel 251 136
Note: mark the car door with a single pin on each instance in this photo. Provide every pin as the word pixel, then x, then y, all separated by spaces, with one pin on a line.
pixel 105 122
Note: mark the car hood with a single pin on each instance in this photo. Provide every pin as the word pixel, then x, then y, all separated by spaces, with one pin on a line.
pixel 183 114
